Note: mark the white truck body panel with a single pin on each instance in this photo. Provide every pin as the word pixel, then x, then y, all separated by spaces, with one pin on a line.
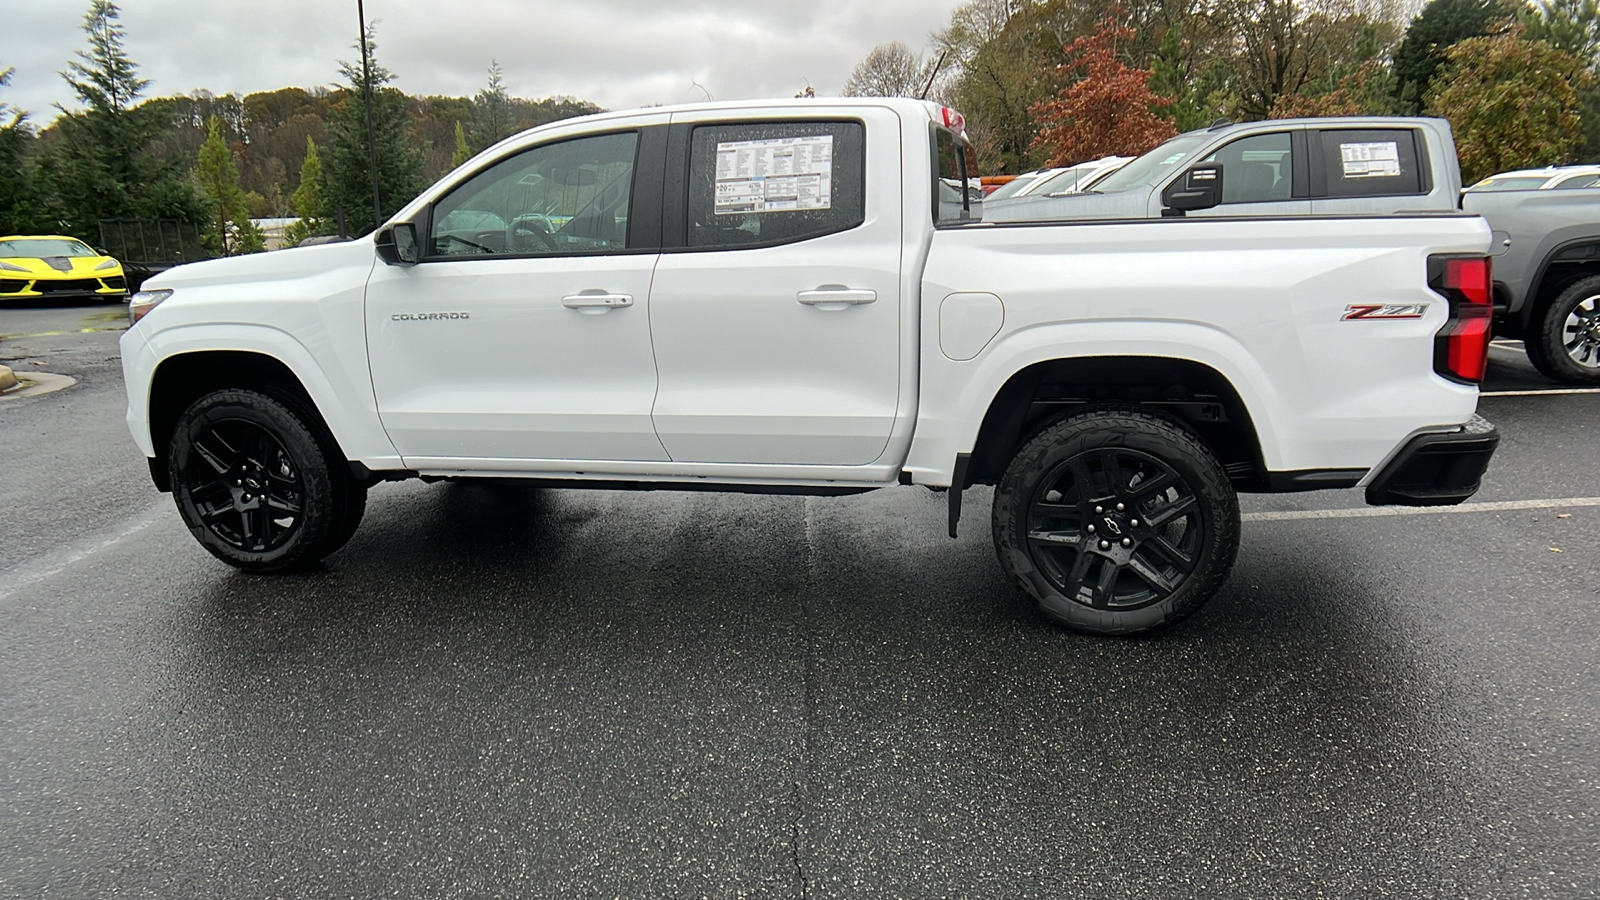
pixel 1260 301
pixel 750 372
pixel 717 373
pixel 303 307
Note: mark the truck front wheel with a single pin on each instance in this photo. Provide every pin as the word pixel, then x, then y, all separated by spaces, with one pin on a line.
pixel 254 485
pixel 1117 520
pixel 1564 343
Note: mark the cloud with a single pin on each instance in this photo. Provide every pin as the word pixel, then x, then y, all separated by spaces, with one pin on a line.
pixel 617 53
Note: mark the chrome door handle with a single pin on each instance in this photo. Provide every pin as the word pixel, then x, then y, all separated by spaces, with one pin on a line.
pixel 596 302
pixel 836 298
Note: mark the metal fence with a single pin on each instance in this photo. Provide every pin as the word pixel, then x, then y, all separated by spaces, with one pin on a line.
pixel 155 243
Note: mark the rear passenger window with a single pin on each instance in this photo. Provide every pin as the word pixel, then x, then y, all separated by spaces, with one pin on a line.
pixel 1578 182
pixel 759 184
pixel 1371 162
pixel 1255 169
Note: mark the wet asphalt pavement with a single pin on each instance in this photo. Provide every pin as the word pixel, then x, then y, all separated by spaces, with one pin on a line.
pixel 495 691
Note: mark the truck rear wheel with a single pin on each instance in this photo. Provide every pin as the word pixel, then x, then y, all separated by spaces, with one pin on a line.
pixel 1117 520
pixel 255 486
pixel 1564 343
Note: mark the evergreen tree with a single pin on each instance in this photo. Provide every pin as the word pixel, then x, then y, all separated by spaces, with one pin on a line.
pixel 1569 25
pixel 1441 24
pixel 104 77
pixel 462 152
pixel 307 199
pixel 101 166
pixel 19 212
pixel 348 180
pixel 491 112
pixel 1198 99
pixel 231 231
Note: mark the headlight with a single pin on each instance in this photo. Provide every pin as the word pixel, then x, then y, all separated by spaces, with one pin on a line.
pixel 108 264
pixel 141 303
pixel 11 268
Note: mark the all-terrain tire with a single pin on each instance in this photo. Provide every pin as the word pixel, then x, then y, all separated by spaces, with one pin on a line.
pixel 1117 520
pixel 255 485
pixel 1563 340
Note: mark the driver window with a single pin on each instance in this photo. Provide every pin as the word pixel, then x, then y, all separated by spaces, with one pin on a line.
pixel 1255 169
pixel 557 199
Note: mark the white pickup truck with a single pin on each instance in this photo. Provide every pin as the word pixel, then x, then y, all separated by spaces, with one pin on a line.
pixel 796 297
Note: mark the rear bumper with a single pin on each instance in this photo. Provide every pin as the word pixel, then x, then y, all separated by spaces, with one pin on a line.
pixel 1436 469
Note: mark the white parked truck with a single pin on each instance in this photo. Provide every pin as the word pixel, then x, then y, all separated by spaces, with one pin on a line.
pixel 799 297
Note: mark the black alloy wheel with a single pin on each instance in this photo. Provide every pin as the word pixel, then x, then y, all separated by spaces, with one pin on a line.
pixel 1115 528
pixel 254 485
pixel 1117 520
pixel 245 486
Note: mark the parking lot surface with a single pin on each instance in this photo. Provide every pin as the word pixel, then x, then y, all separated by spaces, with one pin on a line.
pixel 496 691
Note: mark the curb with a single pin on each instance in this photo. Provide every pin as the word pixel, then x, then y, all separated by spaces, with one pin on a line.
pixel 8 379
pixel 36 383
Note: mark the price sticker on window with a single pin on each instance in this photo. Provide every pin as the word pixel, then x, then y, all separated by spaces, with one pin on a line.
pixel 1380 160
pixel 774 175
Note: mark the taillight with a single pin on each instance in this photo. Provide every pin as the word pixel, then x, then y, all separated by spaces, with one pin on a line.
pixel 953 120
pixel 1461 350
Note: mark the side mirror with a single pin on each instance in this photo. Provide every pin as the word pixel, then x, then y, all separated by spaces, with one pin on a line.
pixel 1198 188
pixel 397 245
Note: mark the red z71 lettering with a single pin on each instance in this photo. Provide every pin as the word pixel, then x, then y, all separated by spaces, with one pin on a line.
pixel 1384 311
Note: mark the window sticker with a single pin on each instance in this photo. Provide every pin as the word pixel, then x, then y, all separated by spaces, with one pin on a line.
pixel 774 175
pixel 1371 160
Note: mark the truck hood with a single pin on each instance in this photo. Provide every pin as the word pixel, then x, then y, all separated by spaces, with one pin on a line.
pixel 276 265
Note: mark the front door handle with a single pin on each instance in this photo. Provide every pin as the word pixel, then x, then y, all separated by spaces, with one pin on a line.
pixel 830 297
pixel 596 302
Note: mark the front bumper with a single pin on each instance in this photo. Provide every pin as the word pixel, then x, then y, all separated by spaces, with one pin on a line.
pixel 111 287
pixel 1436 469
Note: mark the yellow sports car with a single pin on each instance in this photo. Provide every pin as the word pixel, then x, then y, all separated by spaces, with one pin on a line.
pixel 55 266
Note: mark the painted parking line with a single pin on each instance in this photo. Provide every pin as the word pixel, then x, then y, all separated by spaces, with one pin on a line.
pixel 1370 512
pixel 53 563
pixel 39 334
pixel 1539 392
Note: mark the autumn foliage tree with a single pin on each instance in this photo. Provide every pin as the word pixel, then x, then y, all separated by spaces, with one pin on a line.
pixel 1512 103
pixel 1107 111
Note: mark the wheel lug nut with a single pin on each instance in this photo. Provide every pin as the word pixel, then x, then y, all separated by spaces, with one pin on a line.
pixel 1105 545
pixel 1099 509
pixel 1134 522
pixel 1127 542
pixel 1091 529
pixel 1119 507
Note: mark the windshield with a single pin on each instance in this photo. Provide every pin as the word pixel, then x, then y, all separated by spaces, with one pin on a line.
pixel 1519 183
pixel 1151 167
pixel 1015 186
pixel 36 248
pixel 1062 182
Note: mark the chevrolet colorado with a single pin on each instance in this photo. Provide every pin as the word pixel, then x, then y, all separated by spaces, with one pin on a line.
pixel 800 297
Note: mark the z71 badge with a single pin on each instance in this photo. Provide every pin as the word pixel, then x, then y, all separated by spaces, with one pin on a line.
pixel 1384 311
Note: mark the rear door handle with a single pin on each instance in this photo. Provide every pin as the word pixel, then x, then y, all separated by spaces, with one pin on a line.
pixel 596 302
pixel 836 298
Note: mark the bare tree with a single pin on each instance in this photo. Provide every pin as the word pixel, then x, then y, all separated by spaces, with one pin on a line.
pixel 890 70
pixel 1284 45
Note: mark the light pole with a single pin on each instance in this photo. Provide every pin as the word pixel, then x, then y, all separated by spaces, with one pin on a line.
pixel 366 91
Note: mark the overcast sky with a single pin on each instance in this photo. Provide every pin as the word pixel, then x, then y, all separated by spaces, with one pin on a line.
pixel 617 53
